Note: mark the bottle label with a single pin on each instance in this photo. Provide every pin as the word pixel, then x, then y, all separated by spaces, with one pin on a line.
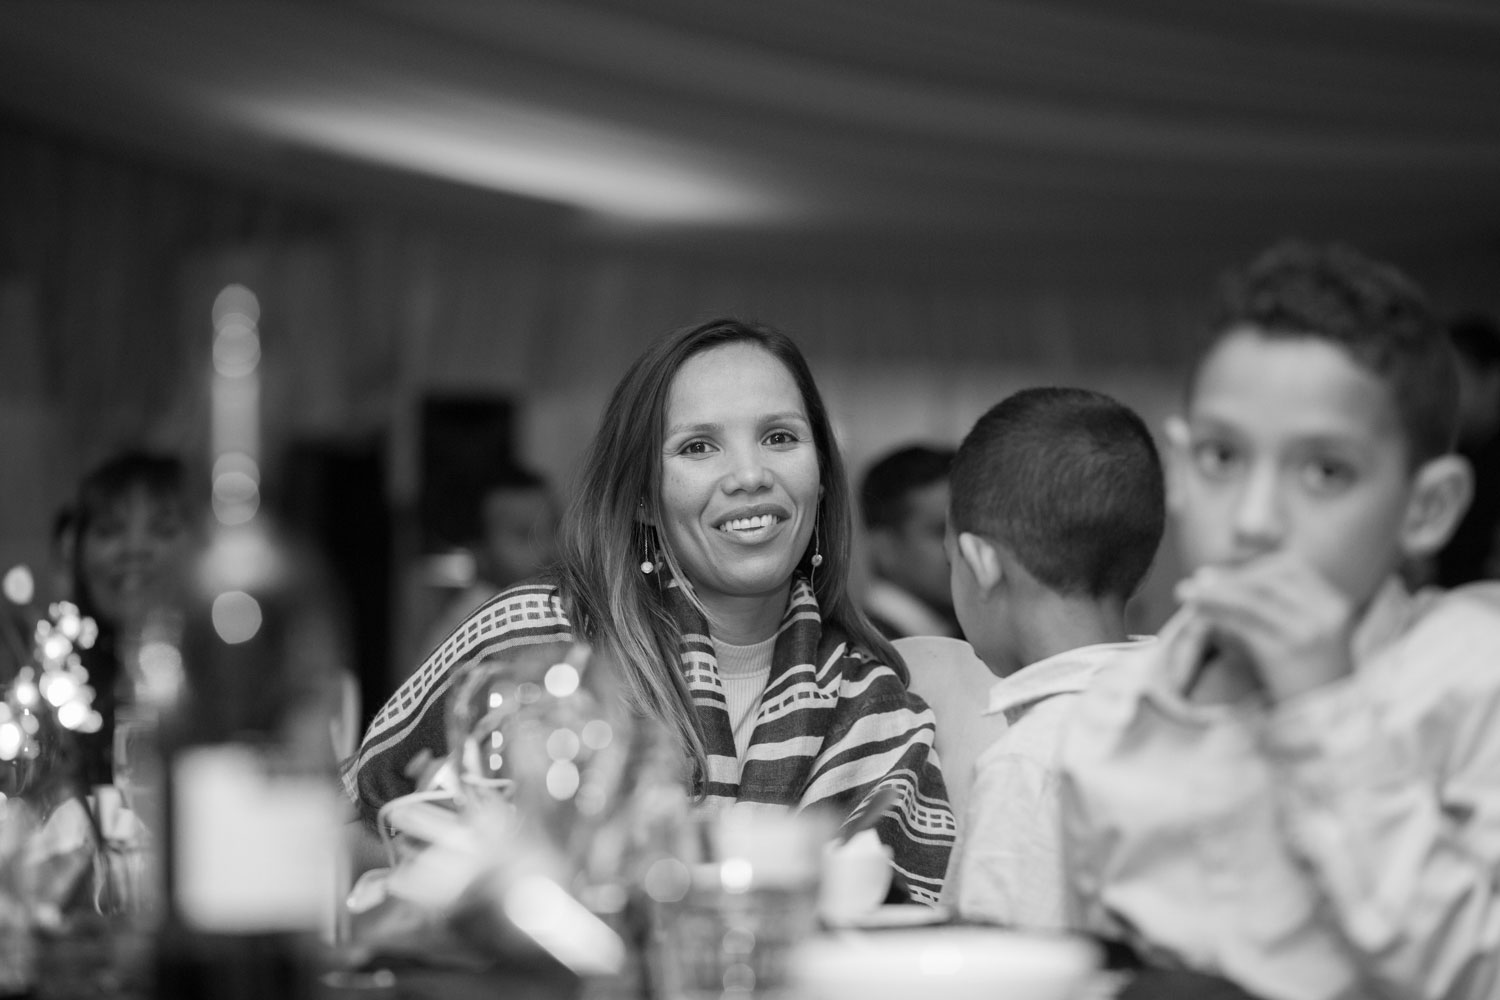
pixel 254 850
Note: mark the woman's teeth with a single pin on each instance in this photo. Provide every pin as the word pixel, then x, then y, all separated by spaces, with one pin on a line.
pixel 749 523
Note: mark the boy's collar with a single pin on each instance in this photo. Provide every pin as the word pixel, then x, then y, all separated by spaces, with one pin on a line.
pixel 1065 673
pixel 1389 615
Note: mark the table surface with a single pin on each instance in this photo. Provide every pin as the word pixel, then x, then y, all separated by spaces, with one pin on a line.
pixel 104 962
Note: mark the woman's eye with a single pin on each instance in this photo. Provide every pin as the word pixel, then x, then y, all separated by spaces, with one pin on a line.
pixel 694 448
pixel 781 437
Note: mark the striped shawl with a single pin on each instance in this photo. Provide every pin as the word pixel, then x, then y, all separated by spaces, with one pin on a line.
pixel 832 725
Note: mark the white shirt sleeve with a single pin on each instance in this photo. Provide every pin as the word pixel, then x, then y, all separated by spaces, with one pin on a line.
pixel 1009 869
pixel 1411 871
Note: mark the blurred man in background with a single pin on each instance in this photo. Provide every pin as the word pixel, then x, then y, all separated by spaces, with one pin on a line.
pixel 1473 553
pixel 518 538
pixel 904 501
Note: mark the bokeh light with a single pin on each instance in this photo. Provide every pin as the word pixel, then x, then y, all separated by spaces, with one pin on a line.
pixel 561 679
pixel 19 586
pixel 236 616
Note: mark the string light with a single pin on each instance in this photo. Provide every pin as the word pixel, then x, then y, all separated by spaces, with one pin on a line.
pixel 54 684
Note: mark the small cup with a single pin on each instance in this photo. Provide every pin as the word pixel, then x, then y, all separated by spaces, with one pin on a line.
pixel 856 878
pixel 746 901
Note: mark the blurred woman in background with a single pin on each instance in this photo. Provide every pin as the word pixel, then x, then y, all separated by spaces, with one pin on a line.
pixel 129 528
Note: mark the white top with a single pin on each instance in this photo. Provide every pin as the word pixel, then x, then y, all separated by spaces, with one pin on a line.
pixel 1007 864
pixel 744 671
pixel 954 682
pixel 1345 843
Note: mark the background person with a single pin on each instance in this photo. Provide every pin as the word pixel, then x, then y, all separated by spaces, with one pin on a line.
pixel 1473 553
pixel 904 501
pixel 131 527
pixel 518 539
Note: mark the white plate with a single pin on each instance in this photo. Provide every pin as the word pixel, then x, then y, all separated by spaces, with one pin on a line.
pixel 902 915
pixel 955 963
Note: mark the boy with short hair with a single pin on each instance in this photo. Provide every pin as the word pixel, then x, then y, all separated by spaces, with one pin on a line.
pixel 1297 788
pixel 1057 510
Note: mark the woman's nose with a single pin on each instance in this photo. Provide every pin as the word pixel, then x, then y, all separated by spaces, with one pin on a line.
pixel 749 472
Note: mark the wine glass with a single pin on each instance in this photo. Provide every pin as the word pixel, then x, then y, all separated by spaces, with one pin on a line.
pixel 541 735
pixel 135 767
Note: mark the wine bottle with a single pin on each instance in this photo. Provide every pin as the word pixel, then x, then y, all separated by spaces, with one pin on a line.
pixel 251 804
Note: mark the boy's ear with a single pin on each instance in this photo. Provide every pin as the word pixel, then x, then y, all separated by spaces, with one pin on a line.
pixel 1175 460
pixel 982 559
pixel 1441 491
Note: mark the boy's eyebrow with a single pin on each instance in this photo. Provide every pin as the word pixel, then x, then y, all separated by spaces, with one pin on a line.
pixel 1331 440
pixel 1343 438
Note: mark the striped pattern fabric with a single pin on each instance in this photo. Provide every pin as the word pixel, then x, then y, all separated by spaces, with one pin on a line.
pixel 414 719
pixel 833 724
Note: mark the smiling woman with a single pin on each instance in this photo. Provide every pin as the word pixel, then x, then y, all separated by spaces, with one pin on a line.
pixel 130 527
pixel 706 552
pixel 740 485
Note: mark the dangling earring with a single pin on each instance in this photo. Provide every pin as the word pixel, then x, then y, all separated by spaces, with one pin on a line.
pixel 648 565
pixel 817 557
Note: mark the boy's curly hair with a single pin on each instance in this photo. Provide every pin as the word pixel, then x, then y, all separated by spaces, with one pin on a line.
pixel 1374 312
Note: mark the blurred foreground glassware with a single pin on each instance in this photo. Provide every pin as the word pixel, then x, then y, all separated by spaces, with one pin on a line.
pixel 570 793
pixel 246 668
pixel 734 902
pixel 135 773
pixel 18 948
pixel 543 748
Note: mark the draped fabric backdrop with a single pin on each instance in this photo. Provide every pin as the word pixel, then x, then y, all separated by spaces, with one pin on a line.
pixel 109 264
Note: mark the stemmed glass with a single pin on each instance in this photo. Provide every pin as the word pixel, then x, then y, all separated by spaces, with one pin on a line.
pixel 542 743
pixel 138 790
pixel 549 757
pixel 133 764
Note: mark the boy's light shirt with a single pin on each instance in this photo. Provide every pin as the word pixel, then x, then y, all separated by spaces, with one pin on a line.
pixel 1006 866
pixel 1343 844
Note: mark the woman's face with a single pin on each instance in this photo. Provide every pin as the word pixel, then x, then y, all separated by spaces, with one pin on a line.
pixel 740 477
pixel 127 552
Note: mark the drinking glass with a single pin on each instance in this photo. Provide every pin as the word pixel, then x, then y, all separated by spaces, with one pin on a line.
pixel 735 904
pixel 131 813
pixel 549 761
pixel 136 768
pixel 539 735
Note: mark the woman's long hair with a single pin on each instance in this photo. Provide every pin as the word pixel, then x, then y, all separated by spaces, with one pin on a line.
pixel 606 530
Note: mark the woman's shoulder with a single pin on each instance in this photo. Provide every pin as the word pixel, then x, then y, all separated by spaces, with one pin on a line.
pixel 522 608
pixel 537 602
pixel 856 661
